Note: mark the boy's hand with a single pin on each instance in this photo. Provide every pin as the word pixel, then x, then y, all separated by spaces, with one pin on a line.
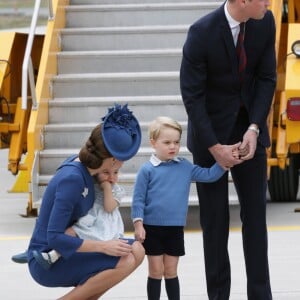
pixel 243 151
pixel 139 231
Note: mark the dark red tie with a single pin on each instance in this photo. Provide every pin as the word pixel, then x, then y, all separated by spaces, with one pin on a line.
pixel 240 50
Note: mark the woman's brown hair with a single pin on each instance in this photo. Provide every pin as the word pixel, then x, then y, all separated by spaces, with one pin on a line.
pixel 94 151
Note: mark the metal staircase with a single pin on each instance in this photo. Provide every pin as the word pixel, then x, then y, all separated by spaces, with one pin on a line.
pixel 116 51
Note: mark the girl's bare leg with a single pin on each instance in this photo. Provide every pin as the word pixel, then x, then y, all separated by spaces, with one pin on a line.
pixel 97 285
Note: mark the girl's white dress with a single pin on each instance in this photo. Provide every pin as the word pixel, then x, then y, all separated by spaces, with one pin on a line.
pixel 99 224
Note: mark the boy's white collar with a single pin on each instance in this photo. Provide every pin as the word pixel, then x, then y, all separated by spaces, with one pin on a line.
pixel 155 161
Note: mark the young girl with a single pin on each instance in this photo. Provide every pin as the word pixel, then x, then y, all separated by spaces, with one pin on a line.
pixel 160 205
pixel 103 221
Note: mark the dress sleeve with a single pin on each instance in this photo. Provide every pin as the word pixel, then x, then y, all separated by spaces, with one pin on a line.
pixel 67 196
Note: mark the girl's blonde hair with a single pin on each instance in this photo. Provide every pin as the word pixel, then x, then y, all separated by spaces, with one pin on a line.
pixel 160 123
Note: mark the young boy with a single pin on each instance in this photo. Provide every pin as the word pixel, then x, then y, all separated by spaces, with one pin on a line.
pixel 160 204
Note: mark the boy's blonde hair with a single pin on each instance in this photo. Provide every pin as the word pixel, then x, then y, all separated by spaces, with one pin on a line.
pixel 160 123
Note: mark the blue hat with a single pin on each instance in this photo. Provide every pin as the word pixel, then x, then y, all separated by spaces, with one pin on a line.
pixel 121 132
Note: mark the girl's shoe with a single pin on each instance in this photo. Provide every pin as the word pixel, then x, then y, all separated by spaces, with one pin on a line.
pixel 21 258
pixel 43 262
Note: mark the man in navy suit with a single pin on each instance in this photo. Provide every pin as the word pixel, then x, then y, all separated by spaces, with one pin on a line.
pixel 227 110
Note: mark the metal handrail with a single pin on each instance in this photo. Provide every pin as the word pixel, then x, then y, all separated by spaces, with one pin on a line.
pixel 27 68
pixel 50 7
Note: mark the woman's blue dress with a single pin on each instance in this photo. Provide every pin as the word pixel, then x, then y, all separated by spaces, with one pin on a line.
pixel 69 196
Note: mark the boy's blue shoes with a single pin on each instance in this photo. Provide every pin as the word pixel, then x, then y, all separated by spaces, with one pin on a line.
pixel 45 263
pixel 21 258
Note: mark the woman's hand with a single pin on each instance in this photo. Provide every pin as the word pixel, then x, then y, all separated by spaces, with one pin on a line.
pixel 112 247
pixel 116 248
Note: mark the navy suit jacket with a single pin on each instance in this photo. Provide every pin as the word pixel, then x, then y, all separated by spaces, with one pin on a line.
pixel 209 79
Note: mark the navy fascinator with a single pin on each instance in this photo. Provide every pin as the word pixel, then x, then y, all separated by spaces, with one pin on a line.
pixel 121 132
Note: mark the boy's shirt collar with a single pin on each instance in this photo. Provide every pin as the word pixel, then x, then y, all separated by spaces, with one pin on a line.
pixel 155 161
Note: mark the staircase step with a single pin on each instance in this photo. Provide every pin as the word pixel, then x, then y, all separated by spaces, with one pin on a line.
pixel 116 84
pixel 123 38
pixel 50 159
pixel 116 51
pixel 98 2
pixel 137 14
pixel 127 182
pixel 89 109
pixel 75 135
pixel 119 61
pixel 123 178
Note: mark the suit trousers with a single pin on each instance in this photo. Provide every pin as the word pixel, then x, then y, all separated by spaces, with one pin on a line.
pixel 250 179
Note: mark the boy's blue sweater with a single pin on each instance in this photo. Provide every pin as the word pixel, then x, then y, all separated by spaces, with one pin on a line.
pixel 161 190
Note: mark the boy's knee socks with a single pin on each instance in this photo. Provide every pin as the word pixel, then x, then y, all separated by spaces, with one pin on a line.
pixel 153 288
pixel 172 288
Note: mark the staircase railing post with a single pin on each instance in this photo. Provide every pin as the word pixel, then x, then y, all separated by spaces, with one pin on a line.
pixel 27 68
pixel 50 6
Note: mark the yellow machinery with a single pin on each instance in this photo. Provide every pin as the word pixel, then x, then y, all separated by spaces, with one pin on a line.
pixel 27 125
pixel 14 120
pixel 284 155
pixel 21 130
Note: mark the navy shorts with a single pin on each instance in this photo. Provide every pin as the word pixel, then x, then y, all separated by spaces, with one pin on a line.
pixel 164 240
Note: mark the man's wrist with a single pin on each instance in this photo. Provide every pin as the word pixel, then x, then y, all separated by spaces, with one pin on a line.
pixel 213 149
pixel 254 128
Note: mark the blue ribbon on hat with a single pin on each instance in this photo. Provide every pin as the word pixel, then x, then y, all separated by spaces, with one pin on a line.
pixel 121 118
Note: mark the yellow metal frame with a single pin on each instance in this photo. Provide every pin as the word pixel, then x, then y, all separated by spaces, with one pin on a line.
pixel 39 117
pixel 276 8
pixel 5 55
pixel 18 136
pixel 15 120
pixel 285 133
pixel 294 11
pixel 292 85
pixel 288 132
pixel 48 68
